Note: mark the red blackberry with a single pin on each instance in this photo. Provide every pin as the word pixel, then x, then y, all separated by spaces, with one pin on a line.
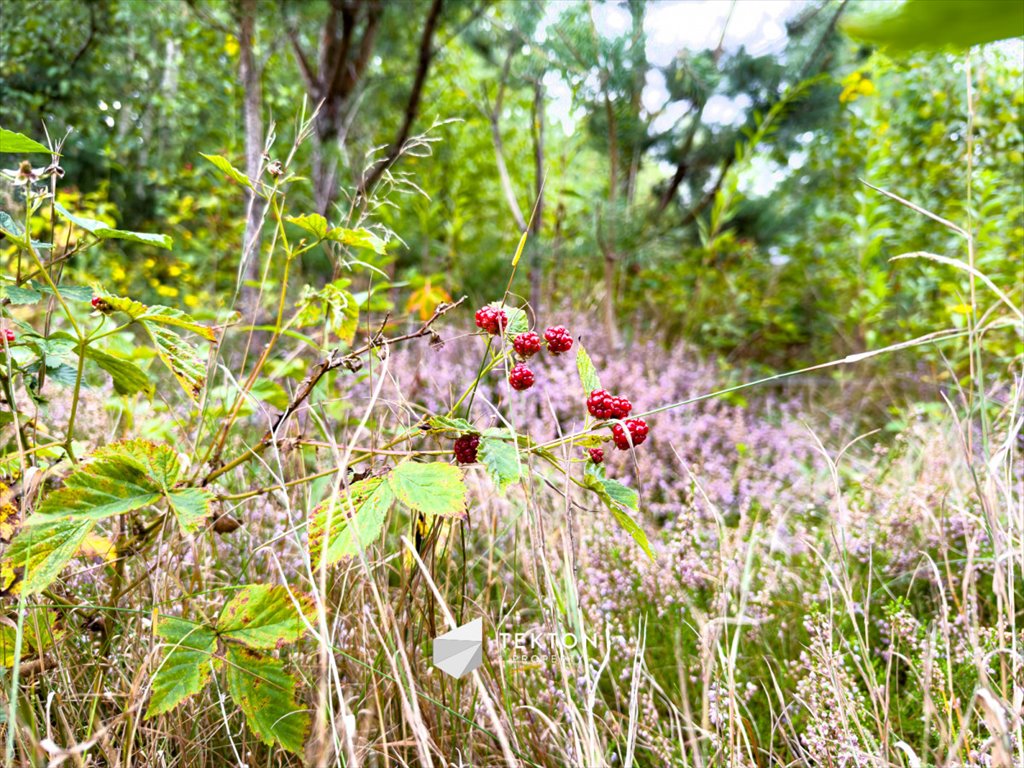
pixel 96 301
pixel 558 339
pixel 465 448
pixel 526 344
pixel 9 335
pixel 637 429
pixel 521 377
pixel 601 404
pixel 621 407
pixel 596 455
pixel 491 319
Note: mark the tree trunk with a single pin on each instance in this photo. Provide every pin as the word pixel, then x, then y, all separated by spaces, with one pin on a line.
pixel 249 273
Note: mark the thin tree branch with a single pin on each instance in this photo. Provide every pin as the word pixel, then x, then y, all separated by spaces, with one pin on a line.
pixel 413 105
pixel 494 117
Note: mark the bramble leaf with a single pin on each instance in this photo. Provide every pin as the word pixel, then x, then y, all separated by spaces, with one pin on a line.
pixel 263 616
pixel 587 371
pixel 622 494
pixel 433 489
pixel 266 695
pixel 127 377
pixel 106 232
pixel 616 496
pixel 225 167
pixel 501 459
pixel 355 521
pixel 357 238
pixel 43 550
pixel 450 424
pixel 332 305
pixel 313 223
pixel 123 477
pixel 186 666
pixel 13 142
pixel 160 324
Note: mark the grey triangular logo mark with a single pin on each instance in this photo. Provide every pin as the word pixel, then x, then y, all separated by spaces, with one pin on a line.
pixel 460 651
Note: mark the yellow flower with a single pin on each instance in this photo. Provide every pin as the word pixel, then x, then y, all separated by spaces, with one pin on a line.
pixel 167 290
pixel 174 270
pixel 855 85
pixel 191 301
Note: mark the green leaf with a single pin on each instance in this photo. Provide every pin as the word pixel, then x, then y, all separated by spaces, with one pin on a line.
pixel 11 227
pixel 433 489
pixel 31 292
pixel 188 661
pixel 178 355
pixel 106 484
pixel 933 25
pixel 128 378
pixel 450 424
pixel 332 305
pixel 20 294
pixel 357 238
pixel 159 314
pixel 587 371
pixel 229 170
pixel 313 223
pixel 615 495
pixel 123 477
pixel 355 521
pixel 501 459
pixel 622 494
pixel 263 616
pixel 191 506
pixel 63 374
pixel 12 142
pixel 44 549
pixel 40 629
pixel 266 695
pixel 631 527
pixel 106 232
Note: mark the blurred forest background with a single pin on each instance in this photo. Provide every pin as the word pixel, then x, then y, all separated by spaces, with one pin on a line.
pixel 695 169
pixel 714 194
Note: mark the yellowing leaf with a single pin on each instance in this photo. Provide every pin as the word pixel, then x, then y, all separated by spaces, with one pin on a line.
pixel 433 489
pixel 350 522
pixel 264 616
pixel 266 695
pixel 425 300
pixel 187 663
pixel 95 545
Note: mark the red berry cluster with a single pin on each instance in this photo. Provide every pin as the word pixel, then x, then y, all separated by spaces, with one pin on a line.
pixel 603 405
pixel 526 344
pixel 596 455
pixel 491 319
pixel 465 448
pixel 521 377
pixel 559 339
pixel 629 433
pixel 9 335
